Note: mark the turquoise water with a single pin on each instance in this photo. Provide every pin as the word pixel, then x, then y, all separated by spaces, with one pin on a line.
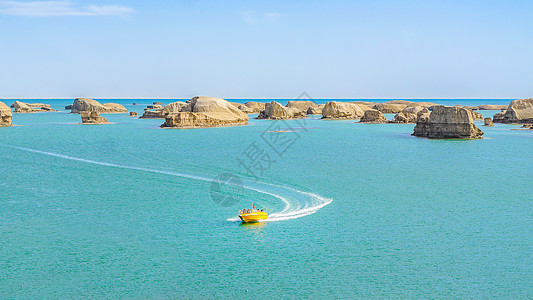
pixel 361 210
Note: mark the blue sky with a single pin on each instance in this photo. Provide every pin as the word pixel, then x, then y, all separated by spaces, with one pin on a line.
pixel 266 49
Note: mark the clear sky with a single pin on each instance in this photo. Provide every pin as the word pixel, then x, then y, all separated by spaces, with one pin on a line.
pixel 266 49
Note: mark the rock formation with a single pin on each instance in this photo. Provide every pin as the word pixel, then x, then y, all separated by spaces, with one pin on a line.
pixel 491 107
pixel 21 107
pixel 86 104
pixel 409 114
pixel 276 111
pixel 519 111
pixel 390 108
pixel 315 110
pixel 160 112
pixel 476 115
pixel 206 112
pixel 447 122
pixel 6 116
pixel 252 107
pixel 92 117
pixel 528 126
pixel 498 118
pixel 373 116
pixel 302 106
pixel 342 110
pixel 133 114
pixel 488 122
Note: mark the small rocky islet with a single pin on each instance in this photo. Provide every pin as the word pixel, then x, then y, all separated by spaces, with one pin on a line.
pixel 431 120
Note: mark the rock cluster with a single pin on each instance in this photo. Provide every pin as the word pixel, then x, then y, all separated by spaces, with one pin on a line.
pixel 302 106
pixel 315 110
pixel 342 110
pixel 92 117
pixel 86 104
pixel 409 114
pixel 157 111
pixel 447 122
pixel 133 114
pixel 373 116
pixel 6 116
pixel 252 107
pixel 519 112
pixel 21 107
pixel 206 112
pixel 528 126
pixel 276 111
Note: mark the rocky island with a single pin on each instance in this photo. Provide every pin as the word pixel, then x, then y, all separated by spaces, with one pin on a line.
pixel 92 117
pixel 87 104
pixel 200 112
pixel 21 107
pixel 6 116
pixel 446 122
pixel 276 111
pixel 518 112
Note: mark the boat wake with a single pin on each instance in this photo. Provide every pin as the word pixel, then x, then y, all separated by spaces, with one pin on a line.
pixel 297 203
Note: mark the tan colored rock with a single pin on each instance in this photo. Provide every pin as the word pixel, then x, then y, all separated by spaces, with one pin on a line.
pixel 276 111
pixel 447 122
pixel 488 122
pixel 491 107
pixel 92 117
pixel 404 118
pixel 342 110
pixel 315 110
pixel 519 111
pixel 133 114
pixel 498 118
pixel 302 106
pixel 87 104
pixel 206 112
pixel 252 107
pixel 476 115
pixel 22 107
pixel 373 116
pixel 422 104
pixel 528 126
pixel 157 111
pixel 114 108
pixel 390 108
pixel 6 116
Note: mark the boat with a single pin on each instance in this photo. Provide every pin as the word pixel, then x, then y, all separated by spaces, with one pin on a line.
pixel 252 215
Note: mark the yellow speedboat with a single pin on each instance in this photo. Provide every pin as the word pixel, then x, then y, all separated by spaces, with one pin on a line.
pixel 252 215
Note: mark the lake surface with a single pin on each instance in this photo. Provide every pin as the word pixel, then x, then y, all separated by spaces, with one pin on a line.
pixel 129 210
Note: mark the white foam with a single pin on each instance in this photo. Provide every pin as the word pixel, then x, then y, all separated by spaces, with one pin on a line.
pixel 297 203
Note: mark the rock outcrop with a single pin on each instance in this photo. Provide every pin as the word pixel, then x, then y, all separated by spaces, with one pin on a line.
pixel 276 111
pixel 157 111
pixel 133 114
pixel 488 122
pixel 315 110
pixel 491 107
pixel 302 106
pixel 252 107
pixel 6 116
pixel 92 117
pixel 373 116
pixel 476 115
pixel 390 108
pixel 342 110
pixel 86 104
pixel 498 118
pixel 206 112
pixel 447 122
pixel 528 126
pixel 409 114
pixel 519 112
pixel 21 107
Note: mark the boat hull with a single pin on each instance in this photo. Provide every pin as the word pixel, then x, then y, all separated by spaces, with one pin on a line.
pixel 253 217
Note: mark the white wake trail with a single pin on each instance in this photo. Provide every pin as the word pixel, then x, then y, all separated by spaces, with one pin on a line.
pixel 297 203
